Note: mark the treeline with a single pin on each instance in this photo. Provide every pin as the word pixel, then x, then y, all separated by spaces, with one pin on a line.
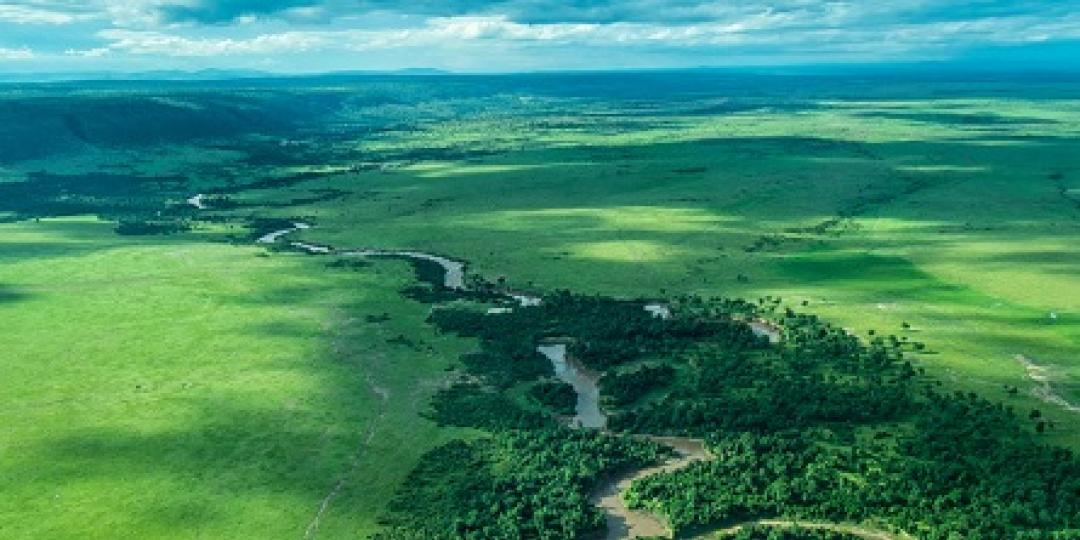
pixel 557 396
pixel 820 375
pixel 138 202
pixel 514 484
pixel 502 366
pixel 827 427
pixel 151 227
pixel 727 390
pixel 476 406
pixel 625 387
pixel 539 489
pixel 962 471
pixel 792 532
pixel 822 426
pixel 604 332
pixel 1022 491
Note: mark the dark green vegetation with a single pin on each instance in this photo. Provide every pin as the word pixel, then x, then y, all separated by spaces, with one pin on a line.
pixel 627 386
pixel 823 376
pixel 822 427
pixel 555 395
pixel 788 533
pixel 926 485
pixel 224 391
pixel 516 484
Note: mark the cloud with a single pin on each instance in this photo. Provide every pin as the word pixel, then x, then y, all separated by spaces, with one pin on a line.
pixel 677 12
pixel 436 32
pixel 504 33
pixel 766 32
pixel 37 14
pixel 522 11
pixel 218 11
pixel 225 11
pixel 162 44
pixel 669 12
pixel 21 53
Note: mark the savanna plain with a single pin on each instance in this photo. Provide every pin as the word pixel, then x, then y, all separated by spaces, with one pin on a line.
pixel 747 305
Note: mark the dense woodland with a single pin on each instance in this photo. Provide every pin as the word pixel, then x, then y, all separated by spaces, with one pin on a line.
pixel 626 387
pixel 788 533
pixel 821 427
pixel 558 396
pixel 514 484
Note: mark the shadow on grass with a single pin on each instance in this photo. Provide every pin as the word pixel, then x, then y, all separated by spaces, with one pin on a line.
pixel 11 294
pixel 960 119
pixel 217 453
pixel 231 455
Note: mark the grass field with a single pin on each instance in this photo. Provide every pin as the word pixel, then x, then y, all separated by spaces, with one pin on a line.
pixel 183 389
pixel 955 216
pixel 163 386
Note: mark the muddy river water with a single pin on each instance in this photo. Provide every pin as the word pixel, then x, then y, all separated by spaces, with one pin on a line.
pixel 622 522
pixel 585 383
pixel 608 497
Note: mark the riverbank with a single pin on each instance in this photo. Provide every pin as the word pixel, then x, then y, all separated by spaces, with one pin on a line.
pixel 622 522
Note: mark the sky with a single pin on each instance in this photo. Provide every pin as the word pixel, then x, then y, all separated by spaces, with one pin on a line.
pixel 296 36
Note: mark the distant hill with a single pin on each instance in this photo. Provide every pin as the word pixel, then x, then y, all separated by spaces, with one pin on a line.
pixel 200 75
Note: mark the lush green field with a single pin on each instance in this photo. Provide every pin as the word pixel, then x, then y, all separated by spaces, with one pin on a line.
pixel 957 217
pixel 183 389
pixel 176 385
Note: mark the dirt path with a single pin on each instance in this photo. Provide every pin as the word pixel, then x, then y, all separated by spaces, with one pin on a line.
pixel 373 364
pixel 354 464
pixel 1043 390
pixel 455 279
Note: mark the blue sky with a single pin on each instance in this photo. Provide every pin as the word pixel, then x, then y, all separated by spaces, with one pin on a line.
pixel 515 35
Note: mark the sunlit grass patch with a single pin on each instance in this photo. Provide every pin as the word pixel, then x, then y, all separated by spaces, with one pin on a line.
pixel 184 388
pixel 449 170
pixel 633 251
pixel 659 219
pixel 932 169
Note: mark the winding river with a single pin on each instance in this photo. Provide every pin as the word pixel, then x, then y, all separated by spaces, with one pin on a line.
pixel 767 329
pixel 271 237
pixel 622 521
pixel 455 270
pixel 585 383
pixel 196 200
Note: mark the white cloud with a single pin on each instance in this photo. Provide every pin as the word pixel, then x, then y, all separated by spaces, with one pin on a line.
pixel 763 29
pixel 34 14
pixel 450 30
pixel 21 53
pixel 158 43
pixel 805 27
pixel 133 13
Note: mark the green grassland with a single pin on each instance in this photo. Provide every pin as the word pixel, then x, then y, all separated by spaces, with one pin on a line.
pixel 186 389
pixel 178 385
pixel 958 217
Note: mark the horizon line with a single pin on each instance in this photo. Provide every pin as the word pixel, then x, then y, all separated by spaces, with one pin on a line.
pixel 837 68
